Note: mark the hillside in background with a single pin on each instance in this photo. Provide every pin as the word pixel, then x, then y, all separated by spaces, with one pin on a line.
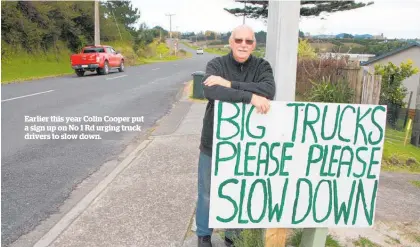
pixel 340 43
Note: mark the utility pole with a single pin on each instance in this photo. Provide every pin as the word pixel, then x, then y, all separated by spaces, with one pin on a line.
pixel 415 135
pixel 281 53
pixel 97 29
pixel 244 12
pixel 170 24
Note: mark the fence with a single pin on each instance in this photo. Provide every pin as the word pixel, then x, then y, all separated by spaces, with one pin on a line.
pixel 397 116
pixel 370 90
pixel 366 86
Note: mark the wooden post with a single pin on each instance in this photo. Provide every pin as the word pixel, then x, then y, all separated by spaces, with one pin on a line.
pixel 407 131
pixel 415 135
pixel 275 237
pixel 408 109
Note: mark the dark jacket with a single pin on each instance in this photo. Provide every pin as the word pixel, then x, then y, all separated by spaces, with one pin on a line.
pixel 253 76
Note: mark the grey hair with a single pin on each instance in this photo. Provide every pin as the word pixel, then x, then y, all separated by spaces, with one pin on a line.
pixel 242 27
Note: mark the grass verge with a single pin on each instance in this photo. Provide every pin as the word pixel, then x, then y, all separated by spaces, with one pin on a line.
pixel 19 66
pixel 364 242
pixel 190 45
pixel 217 51
pixel 397 156
pixel 415 183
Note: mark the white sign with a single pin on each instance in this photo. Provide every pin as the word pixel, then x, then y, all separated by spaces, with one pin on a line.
pixel 300 165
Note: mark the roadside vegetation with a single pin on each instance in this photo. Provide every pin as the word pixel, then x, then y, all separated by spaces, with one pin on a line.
pixel 39 37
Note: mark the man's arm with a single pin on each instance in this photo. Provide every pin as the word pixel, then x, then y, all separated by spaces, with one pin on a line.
pixel 264 84
pixel 217 92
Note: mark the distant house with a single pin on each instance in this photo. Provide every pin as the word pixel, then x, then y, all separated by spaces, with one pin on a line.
pixel 397 56
pixel 350 56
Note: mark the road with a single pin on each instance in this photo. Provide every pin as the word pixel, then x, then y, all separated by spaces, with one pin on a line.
pixel 39 175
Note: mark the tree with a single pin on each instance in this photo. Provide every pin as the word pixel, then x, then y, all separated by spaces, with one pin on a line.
pixel 301 34
pixel 210 35
pixel 259 9
pixel 392 89
pixel 305 50
pixel 124 13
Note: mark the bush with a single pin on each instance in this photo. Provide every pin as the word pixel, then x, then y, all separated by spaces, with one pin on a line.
pixel 330 92
pixel 392 88
pixel 305 50
pixel 317 69
pixel 250 238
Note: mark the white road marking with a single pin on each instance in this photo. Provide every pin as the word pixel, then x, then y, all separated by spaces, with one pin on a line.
pixel 159 79
pixel 163 78
pixel 156 69
pixel 24 96
pixel 115 77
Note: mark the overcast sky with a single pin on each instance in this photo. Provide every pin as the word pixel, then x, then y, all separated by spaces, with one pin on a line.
pixel 393 18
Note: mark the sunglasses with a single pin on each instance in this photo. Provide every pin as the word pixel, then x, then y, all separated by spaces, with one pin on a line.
pixel 247 41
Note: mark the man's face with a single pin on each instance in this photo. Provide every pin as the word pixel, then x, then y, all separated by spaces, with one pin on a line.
pixel 242 44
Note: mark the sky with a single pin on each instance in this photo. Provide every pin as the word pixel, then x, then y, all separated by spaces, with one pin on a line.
pixel 393 18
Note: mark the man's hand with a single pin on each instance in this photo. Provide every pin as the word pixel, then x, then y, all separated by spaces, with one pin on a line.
pixel 262 104
pixel 217 80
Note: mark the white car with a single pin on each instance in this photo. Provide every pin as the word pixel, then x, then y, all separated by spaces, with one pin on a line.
pixel 200 51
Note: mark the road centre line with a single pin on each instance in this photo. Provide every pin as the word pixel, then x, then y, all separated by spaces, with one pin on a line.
pixel 156 69
pixel 29 95
pixel 163 78
pixel 159 79
pixel 115 77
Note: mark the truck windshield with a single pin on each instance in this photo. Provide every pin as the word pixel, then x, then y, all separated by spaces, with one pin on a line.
pixel 93 50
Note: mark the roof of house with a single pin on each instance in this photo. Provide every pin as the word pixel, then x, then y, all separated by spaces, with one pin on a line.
pixel 390 53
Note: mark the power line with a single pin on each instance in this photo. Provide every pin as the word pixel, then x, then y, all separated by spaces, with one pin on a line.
pixel 116 23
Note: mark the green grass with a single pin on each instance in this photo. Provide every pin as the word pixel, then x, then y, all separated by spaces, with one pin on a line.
pixel 415 183
pixel 250 238
pixel 331 242
pixel 190 45
pixel 218 51
pixel 27 67
pixel 364 242
pixel 156 59
pixel 394 240
pixel 396 156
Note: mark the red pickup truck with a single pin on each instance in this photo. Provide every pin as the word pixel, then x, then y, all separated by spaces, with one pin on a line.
pixel 100 58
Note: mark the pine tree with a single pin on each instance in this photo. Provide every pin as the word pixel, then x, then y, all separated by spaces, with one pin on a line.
pixel 259 9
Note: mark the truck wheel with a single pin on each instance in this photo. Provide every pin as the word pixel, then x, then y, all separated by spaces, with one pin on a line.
pixel 80 73
pixel 121 68
pixel 105 69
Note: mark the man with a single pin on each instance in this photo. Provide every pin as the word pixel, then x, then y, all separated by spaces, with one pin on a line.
pixel 236 77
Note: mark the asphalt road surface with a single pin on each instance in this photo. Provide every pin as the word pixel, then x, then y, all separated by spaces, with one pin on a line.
pixel 38 175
